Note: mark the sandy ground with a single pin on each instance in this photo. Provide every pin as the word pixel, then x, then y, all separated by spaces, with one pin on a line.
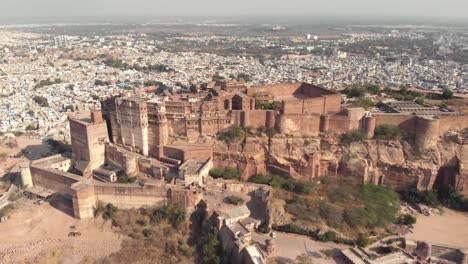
pixel 34 146
pixel 39 234
pixel 289 246
pixel 450 228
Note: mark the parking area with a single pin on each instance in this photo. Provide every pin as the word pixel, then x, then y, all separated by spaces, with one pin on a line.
pixel 289 246
pixel 448 228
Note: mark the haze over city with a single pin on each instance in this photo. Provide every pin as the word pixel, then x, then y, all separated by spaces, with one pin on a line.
pixel 243 132
pixel 364 9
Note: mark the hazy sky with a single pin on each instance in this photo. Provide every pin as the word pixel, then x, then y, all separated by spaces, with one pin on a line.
pixel 64 8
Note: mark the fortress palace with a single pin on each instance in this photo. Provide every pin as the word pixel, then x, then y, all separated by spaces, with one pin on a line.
pixel 133 136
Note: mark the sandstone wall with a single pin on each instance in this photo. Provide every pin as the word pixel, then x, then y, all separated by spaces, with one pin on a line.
pixel 332 103
pixel 294 107
pixel 452 122
pixel 427 132
pixel 246 168
pixel 254 118
pixel 126 196
pixel 84 200
pixel 157 138
pixel 176 126
pixel 283 89
pixel 88 141
pixel 174 153
pixel 406 122
pixel 122 158
pixel 79 140
pixel 183 153
pixel 184 198
pixel 338 124
pixel 306 125
pixel 316 105
pixel 55 180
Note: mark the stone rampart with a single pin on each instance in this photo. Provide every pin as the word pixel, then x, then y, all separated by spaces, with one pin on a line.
pixel 126 196
pixel 304 125
pixel 184 153
pixel 452 122
pixel 405 122
pixel 53 179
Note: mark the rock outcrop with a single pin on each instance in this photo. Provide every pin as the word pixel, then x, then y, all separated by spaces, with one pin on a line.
pixel 394 163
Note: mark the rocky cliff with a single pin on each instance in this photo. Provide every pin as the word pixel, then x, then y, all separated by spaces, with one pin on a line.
pixel 395 163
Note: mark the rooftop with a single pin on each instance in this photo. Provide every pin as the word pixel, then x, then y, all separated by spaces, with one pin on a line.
pixel 413 108
pixel 39 191
pixel 82 116
pixel 236 212
pixel 192 166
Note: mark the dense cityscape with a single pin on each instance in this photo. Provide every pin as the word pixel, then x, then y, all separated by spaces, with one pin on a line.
pixel 72 72
pixel 246 140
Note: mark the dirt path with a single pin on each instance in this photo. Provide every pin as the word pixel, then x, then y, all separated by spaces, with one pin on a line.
pixel 289 246
pixel 450 228
pixel 37 232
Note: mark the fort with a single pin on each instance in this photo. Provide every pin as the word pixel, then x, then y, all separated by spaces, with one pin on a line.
pixel 133 137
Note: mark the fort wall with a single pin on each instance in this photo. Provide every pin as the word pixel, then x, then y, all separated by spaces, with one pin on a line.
pixel 122 158
pixel 254 118
pixel 369 126
pixel 88 136
pixel 282 89
pixel 452 122
pixel 427 132
pixel 293 107
pixel 55 180
pixel 84 199
pixel 405 122
pixel 338 123
pixel 304 125
pixel 184 153
pixel 79 140
pixel 332 103
pixel 316 105
pixel 126 196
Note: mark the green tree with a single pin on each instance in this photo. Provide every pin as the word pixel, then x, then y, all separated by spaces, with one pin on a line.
pixel 362 240
pixel 365 103
pixel 388 132
pixel 353 136
pixel 450 197
pixel 99 83
pixel 327 236
pixel 211 251
pixel 406 219
pixel 225 173
pixel 244 76
pixel 234 200
pixel 109 211
pixel 447 94
pixel 259 178
pixel 31 127
pixel 41 101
